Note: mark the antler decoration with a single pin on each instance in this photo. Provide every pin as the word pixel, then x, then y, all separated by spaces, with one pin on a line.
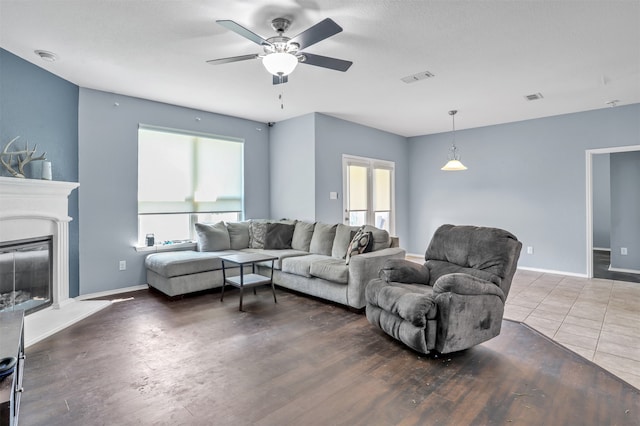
pixel 23 158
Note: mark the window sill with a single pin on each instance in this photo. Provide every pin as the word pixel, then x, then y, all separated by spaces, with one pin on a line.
pixel 166 247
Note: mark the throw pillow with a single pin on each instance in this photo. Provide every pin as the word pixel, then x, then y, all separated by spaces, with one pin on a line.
pixel 238 234
pixel 257 231
pixel 369 247
pixel 322 239
pixel 302 236
pixel 212 236
pixel 358 245
pixel 278 236
pixel 344 235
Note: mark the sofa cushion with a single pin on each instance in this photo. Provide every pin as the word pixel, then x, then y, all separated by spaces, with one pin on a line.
pixel 301 265
pixel 212 236
pixel 381 238
pixel 177 263
pixel 280 254
pixel 238 235
pixel 302 236
pixel 332 269
pixel 257 232
pixel 344 235
pixel 278 236
pixel 322 239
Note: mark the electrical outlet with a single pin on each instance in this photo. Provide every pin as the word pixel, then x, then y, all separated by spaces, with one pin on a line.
pixel 123 265
pixel 623 251
pixel 530 250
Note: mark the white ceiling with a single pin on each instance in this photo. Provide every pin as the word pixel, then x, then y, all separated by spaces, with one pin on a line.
pixel 486 56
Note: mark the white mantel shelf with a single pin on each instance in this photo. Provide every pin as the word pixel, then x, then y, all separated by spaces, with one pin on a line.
pixel 11 186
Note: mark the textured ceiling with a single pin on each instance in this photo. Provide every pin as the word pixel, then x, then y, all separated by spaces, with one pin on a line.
pixel 486 56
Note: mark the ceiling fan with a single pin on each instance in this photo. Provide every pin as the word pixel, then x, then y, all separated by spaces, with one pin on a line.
pixel 282 54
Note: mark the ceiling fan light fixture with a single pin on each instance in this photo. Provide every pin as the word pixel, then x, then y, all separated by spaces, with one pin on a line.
pixel 280 63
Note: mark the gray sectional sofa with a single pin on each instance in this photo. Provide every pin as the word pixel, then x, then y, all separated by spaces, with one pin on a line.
pixel 318 259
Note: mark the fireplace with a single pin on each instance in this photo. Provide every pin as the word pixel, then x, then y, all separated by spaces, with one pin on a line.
pixel 36 209
pixel 26 270
pixel 33 211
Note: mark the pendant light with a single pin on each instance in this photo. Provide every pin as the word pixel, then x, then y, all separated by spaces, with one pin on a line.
pixel 454 163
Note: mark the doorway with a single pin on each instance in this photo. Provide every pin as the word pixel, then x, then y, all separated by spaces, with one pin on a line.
pixel 369 190
pixel 598 260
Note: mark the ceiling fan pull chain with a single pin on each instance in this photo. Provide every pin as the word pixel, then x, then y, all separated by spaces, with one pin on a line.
pixel 281 101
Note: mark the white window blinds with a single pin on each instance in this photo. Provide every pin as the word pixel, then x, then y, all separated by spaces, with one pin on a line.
pixel 181 172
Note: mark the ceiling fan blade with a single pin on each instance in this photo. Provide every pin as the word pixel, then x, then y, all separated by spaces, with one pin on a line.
pixel 326 62
pixel 232 59
pixel 280 79
pixel 239 29
pixel 318 32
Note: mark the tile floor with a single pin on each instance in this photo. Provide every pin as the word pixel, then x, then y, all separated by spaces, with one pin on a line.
pixel 597 318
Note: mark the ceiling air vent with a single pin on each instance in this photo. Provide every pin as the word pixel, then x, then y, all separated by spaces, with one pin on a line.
pixel 534 97
pixel 417 77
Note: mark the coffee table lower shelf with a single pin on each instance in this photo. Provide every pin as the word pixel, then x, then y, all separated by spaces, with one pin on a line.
pixel 247 280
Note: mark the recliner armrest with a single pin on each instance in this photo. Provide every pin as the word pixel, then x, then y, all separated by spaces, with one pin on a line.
pixel 468 285
pixel 404 271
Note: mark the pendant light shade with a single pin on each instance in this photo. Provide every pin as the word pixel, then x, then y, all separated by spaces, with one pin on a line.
pixel 454 164
pixel 280 63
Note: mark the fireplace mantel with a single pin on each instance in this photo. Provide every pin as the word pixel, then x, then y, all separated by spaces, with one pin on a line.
pixel 31 208
pixel 35 187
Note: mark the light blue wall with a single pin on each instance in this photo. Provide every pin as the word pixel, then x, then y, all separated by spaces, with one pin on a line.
pixel 42 109
pixel 527 177
pixel 625 210
pixel 293 166
pixel 601 201
pixel 335 137
pixel 108 143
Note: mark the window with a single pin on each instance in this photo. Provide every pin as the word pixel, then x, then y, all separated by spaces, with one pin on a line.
pixel 368 188
pixel 184 178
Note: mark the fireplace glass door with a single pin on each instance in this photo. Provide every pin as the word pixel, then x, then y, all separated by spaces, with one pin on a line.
pixel 26 275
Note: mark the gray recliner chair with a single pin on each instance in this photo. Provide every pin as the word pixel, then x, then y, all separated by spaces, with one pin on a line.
pixel 456 299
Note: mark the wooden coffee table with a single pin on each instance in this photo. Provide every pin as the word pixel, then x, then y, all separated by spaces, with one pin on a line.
pixel 247 280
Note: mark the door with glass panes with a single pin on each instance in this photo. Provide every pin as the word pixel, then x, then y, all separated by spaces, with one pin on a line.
pixel 368 192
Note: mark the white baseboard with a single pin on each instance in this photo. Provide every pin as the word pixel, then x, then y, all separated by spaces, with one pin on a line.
pixel 525 268
pixel 111 292
pixel 550 271
pixel 628 271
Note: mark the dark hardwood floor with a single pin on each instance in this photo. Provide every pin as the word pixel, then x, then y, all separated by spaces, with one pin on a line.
pixel 197 361
pixel 601 262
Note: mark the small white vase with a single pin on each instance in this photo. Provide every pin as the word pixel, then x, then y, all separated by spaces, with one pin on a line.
pixel 46 170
